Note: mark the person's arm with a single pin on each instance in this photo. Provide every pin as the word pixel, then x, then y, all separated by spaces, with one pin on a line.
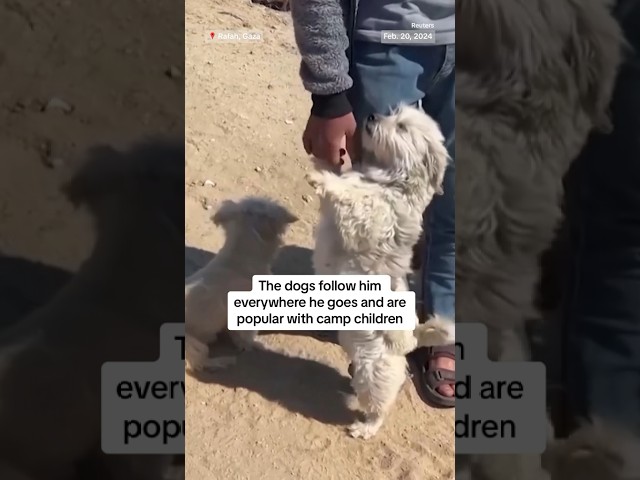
pixel 321 36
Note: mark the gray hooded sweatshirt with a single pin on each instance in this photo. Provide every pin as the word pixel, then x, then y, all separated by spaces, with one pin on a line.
pixel 325 30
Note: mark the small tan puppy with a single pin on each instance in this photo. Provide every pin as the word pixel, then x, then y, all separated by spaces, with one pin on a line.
pixel 254 228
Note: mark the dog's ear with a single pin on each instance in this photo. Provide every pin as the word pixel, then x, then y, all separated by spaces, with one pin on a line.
pixel 100 174
pixel 594 50
pixel 287 217
pixel 227 212
pixel 436 160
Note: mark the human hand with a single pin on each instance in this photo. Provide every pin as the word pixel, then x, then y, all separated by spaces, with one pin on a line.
pixel 330 139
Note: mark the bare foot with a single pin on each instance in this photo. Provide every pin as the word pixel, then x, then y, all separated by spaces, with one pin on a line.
pixel 444 363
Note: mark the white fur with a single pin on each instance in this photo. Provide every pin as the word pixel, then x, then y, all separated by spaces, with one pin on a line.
pixel 533 79
pixel 597 450
pixel 254 229
pixel 371 218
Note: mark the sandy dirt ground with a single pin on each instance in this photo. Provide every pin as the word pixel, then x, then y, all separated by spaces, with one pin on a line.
pixel 75 74
pixel 276 415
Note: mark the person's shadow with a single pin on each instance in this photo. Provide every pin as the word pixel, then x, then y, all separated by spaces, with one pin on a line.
pixel 300 385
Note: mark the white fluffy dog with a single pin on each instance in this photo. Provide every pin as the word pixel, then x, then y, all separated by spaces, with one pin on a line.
pixel 254 228
pixel 596 450
pixel 371 217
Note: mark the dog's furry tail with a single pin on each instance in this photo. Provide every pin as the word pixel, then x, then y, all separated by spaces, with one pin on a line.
pixel 197 358
pixel 400 342
pixel 438 331
pixel 196 353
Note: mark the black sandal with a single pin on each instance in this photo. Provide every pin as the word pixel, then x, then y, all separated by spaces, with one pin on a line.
pixel 427 380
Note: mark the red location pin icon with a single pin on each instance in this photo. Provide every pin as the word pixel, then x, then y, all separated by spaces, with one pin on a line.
pixel 212 34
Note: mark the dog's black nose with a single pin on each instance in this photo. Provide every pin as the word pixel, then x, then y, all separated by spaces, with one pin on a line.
pixel 372 118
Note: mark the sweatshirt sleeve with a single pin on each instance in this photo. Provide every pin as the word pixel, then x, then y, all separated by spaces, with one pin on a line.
pixel 321 35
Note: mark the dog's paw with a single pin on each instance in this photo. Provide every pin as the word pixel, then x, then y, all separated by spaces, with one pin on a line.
pixel 363 430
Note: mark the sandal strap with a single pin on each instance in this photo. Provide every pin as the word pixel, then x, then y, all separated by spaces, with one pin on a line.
pixel 425 355
pixel 447 351
pixel 441 376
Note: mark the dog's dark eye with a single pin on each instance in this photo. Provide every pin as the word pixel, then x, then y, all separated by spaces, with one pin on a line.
pixel 402 126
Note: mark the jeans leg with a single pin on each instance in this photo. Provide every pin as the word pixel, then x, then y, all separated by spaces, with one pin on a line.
pixel 603 352
pixel 383 77
pixel 439 265
pixel 386 75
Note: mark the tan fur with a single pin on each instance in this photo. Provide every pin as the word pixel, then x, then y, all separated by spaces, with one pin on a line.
pixel 254 229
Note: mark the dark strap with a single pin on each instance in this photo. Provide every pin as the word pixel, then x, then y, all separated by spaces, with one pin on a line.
pixel 448 351
pixel 441 376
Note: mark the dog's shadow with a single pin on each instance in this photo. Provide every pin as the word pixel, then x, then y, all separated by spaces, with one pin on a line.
pixel 300 385
pixel 26 285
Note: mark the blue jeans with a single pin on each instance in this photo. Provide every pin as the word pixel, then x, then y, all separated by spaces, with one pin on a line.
pixel 603 314
pixel 385 76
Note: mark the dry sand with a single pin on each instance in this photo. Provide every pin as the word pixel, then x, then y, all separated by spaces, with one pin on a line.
pixel 276 416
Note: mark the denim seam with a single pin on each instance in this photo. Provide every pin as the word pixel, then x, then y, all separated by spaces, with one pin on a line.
pixel 448 64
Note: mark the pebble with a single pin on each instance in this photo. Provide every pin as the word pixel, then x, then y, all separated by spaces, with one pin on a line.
pixel 307 198
pixel 205 204
pixel 289 122
pixel 258 169
pixel 209 183
pixel 56 103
